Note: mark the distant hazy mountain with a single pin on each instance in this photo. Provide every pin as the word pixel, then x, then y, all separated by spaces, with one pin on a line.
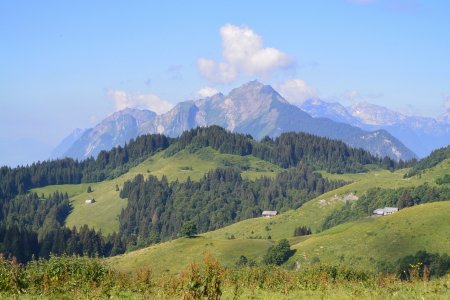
pixel 115 130
pixel 420 134
pixel 445 117
pixel 253 108
pixel 66 143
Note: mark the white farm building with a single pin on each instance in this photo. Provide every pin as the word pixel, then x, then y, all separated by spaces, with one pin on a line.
pixel 269 213
pixel 385 211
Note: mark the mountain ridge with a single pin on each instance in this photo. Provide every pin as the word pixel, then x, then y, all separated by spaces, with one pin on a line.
pixel 253 108
pixel 420 134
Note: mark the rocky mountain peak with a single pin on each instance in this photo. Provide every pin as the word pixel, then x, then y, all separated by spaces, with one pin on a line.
pixel 375 115
pixel 255 92
pixel 252 108
pixel 139 114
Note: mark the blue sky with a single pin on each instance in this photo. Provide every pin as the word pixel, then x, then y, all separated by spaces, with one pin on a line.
pixel 69 64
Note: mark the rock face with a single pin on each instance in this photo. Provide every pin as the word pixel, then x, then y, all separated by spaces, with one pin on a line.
pixel 420 134
pixel 253 108
pixel 115 130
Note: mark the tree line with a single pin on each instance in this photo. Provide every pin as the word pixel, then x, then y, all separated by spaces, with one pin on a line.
pixel 32 226
pixel 287 150
pixel 107 165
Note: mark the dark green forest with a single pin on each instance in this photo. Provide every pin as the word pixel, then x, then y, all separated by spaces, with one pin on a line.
pixel 34 226
pixel 158 209
pixel 287 150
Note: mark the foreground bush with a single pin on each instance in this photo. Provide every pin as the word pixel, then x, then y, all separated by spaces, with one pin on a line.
pixel 90 278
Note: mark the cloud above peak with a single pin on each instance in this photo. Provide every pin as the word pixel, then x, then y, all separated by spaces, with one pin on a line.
pixel 122 100
pixel 206 91
pixel 243 53
pixel 297 91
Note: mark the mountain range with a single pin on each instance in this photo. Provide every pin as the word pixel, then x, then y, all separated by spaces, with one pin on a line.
pixel 252 108
pixel 420 134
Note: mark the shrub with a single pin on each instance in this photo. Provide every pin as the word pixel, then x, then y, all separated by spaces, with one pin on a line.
pixel 203 283
pixel 422 265
pixel 302 230
pixel 188 229
pixel 12 276
pixel 277 255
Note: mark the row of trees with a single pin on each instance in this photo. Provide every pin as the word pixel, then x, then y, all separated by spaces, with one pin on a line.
pixel 287 150
pixel 109 164
pixel 24 244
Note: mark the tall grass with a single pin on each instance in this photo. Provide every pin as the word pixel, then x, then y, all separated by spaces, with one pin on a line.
pixel 79 277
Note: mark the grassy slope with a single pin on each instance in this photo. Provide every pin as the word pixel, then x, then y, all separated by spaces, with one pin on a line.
pixel 386 238
pixel 312 214
pixel 103 214
pixel 174 255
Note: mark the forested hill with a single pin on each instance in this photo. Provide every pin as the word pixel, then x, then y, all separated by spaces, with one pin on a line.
pixel 157 210
pixel 430 161
pixel 287 150
pixel 107 165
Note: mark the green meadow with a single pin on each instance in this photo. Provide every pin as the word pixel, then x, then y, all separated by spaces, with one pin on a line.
pixel 170 257
pixel 103 214
pixel 362 244
pixel 381 239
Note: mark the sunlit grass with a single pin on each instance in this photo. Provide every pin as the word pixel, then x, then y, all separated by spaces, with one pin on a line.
pixel 103 214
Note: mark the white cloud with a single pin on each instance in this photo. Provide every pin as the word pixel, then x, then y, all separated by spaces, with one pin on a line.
pixel 152 102
pixel 243 52
pixel 297 91
pixel 216 72
pixel 206 91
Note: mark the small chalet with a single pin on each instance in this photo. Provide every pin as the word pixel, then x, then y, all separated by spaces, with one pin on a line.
pixel 269 213
pixel 385 211
pixel 89 201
